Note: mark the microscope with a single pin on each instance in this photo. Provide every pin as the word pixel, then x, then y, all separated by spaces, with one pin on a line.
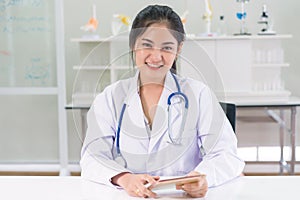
pixel 264 19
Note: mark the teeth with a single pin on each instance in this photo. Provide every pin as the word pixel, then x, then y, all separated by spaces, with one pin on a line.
pixel 153 65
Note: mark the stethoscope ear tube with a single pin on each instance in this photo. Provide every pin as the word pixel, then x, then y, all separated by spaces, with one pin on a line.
pixel 186 105
pixel 183 96
pixel 177 140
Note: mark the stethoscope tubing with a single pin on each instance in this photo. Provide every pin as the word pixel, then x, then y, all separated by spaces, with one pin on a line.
pixel 119 129
pixel 169 102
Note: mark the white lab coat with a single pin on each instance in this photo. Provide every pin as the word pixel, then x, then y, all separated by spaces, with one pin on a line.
pixel 208 143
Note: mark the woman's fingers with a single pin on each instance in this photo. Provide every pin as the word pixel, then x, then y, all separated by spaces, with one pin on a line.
pixel 142 191
pixel 195 189
pixel 135 185
pixel 197 194
pixel 194 186
pixel 150 179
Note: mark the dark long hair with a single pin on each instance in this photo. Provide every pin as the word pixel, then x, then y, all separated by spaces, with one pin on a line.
pixel 157 14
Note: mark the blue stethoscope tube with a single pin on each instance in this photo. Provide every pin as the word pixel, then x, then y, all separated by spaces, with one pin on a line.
pixel 176 141
pixel 186 105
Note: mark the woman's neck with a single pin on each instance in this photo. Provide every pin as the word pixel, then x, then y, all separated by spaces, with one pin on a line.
pixel 151 82
pixel 150 92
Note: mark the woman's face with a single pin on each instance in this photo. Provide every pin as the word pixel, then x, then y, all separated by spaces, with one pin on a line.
pixel 155 51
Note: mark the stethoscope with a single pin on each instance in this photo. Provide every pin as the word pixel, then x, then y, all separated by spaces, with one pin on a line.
pixel 176 141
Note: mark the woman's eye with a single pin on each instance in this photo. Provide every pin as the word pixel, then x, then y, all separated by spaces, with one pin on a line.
pixel 146 45
pixel 167 48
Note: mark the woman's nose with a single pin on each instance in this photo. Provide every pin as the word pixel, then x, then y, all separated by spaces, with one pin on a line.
pixel 155 55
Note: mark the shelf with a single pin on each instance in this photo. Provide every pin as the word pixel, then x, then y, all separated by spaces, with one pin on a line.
pixel 99 67
pixel 240 37
pixel 189 37
pixel 28 90
pixel 286 36
pixel 107 39
pixel 266 65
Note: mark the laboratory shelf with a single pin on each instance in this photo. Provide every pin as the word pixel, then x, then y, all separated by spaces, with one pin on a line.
pixel 107 39
pixel 240 37
pixel 271 37
pixel 189 37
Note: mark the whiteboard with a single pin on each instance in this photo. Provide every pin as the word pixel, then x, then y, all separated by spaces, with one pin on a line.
pixel 27 43
pixel 32 93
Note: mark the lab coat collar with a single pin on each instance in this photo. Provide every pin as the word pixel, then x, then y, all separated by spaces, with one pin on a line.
pixel 133 88
pixel 170 83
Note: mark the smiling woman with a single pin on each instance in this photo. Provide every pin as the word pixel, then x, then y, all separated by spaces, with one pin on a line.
pixel 158 123
pixel 155 52
pixel 160 16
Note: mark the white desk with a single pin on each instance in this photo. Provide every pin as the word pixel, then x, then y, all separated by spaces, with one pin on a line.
pixel 74 188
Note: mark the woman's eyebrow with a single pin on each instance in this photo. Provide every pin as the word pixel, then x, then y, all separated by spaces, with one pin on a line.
pixel 164 43
pixel 145 39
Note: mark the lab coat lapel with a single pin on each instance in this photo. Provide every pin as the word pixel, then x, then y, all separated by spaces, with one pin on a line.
pixel 160 123
pixel 134 124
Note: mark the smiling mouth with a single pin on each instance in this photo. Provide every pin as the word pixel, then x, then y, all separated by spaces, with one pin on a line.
pixel 154 66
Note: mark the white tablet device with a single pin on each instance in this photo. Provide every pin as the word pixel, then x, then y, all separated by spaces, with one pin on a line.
pixel 172 182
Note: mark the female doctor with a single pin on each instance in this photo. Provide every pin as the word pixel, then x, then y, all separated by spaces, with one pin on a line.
pixel 157 123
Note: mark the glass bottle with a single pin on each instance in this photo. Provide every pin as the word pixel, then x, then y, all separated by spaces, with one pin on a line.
pixel 222 26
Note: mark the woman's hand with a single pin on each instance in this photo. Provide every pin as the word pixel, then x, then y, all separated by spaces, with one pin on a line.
pixel 133 184
pixel 195 189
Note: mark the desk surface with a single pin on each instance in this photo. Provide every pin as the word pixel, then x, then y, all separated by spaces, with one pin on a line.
pixel 65 188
